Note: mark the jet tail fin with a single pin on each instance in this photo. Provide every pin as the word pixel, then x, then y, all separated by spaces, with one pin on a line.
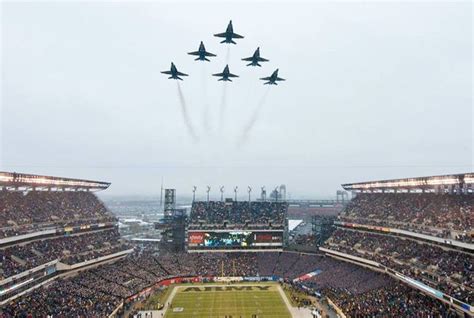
pixel 259 65
pixel 233 42
pixel 223 41
pixel 249 64
pixel 206 59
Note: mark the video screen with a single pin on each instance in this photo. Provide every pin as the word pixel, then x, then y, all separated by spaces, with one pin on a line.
pixel 235 239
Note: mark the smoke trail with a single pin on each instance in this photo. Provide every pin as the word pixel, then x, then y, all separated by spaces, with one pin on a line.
pixel 184 110
pixel 205 115
pixel 255 116
pixel 227 56
pixel 224 95
pixel 223 106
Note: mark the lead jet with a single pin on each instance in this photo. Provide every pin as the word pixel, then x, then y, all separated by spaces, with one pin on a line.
pixel 225 75
pixel 201 53
pixel 272 79
pixel 175 74
pixel 229 34
pixel 255 58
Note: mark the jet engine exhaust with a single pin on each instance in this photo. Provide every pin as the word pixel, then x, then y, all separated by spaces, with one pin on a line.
pixel 223 106
pixel 206 122
pixel 184 111
pixel 227 56
pixel 255 116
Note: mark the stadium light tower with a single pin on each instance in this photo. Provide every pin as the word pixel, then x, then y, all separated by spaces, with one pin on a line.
pixel 264 194
pixel 208 190
pixel 194 193
pixel 235 191
pixel 249 191
pixel 222 193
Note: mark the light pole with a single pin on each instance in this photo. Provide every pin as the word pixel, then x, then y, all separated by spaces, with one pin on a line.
pixel 235 191
pixel 222 193
pixel 264 194
pixel 249 190
pixel 194 193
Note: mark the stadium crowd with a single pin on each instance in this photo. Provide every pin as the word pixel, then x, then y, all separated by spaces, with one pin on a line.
pixel 449 270
pixel 68 249
pixel 254 214
pixel 448 215
pixel 37 210
pixel 96 292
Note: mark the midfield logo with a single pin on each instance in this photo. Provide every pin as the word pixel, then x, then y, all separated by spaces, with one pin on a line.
pixel 225 288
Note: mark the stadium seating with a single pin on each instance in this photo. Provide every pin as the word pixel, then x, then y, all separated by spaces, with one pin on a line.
pixel 37 210
pixel 216 213
pixel 449 270
pixel 97 292
pixel 448 215
pixel 68 249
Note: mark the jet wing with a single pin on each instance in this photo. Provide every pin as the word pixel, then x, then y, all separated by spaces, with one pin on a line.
pixel 261 59
pixel 265 78
pixel 250 59
pixel 221 35
pixel 210 54
pixel 280 79
pixel 232 75
pixel 194 53
pixel 167 72
pixel 181 74
pixel 218 74
pixel 237 36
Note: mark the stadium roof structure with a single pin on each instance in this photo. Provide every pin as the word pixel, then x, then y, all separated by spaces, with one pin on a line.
pixel 14 180
pixel 453 183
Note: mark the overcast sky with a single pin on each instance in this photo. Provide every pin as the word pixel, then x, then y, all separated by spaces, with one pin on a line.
pixel 374 90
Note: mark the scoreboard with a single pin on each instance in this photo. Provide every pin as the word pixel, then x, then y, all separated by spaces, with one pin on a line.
pixel 234 240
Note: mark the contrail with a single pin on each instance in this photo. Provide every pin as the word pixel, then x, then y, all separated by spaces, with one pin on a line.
pixel 227 57
pixel 185 114
pixel 224 95
pixel 255 115
pixel 205 115
pixel 223 105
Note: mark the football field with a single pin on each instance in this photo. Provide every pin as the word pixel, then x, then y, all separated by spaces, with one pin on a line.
pixel 236 301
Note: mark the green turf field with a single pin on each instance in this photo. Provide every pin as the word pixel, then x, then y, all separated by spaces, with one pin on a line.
pixel 237 301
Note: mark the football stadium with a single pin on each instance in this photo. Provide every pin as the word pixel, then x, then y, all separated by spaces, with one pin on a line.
pixel 231 159
pixel 399 248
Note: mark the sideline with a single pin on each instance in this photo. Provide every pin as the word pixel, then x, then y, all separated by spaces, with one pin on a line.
pixel 294 311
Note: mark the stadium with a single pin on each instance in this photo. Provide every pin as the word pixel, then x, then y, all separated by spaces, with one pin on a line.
pixel 398 248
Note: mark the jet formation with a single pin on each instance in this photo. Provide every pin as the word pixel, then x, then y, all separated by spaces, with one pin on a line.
pixel 202 55
pixel 229 34
pixel 175 74
pixel 255 58
pixel 272 79
pixel 225 75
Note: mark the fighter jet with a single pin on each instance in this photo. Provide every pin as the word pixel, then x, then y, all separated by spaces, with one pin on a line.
pixel 175 74
pixel 255 58
pixel 229 35
pixel 225 75
pixel 272 79
pixel 201 53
